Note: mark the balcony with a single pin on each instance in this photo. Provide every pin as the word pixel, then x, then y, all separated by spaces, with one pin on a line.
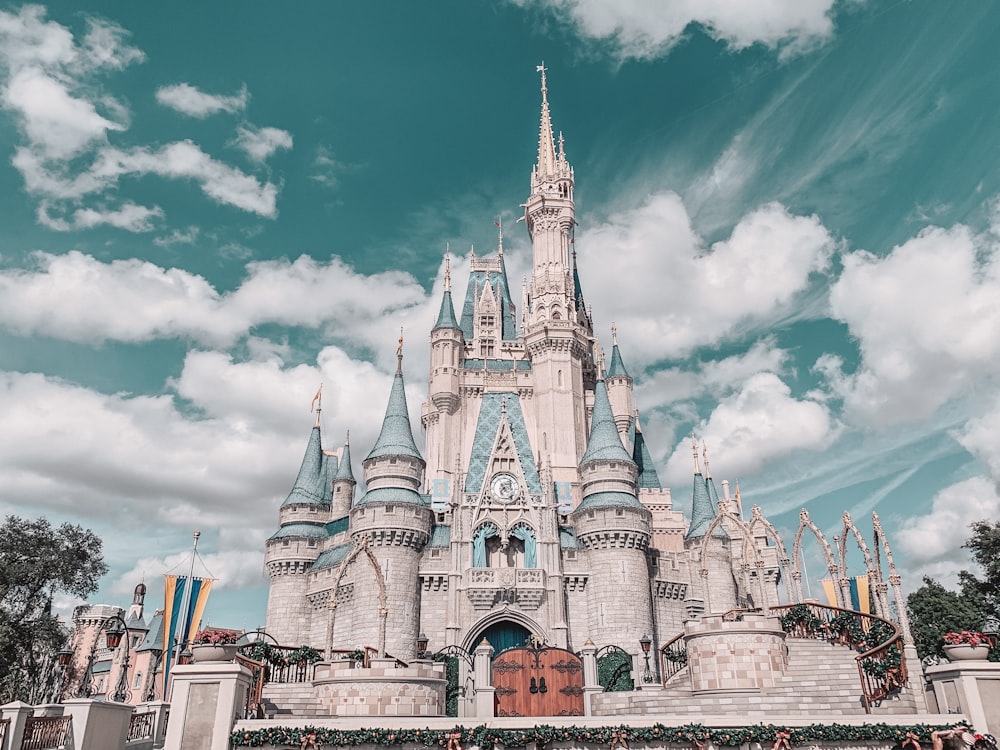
pixel 488 587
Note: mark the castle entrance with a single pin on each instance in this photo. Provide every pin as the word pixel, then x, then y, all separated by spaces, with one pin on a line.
pixel 538 681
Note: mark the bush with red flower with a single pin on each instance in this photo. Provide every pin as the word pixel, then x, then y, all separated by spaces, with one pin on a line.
pixel 967 638
pixel 217 637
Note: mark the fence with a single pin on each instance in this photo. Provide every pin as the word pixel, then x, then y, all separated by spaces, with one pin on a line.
pixel 46 732
pixel 140 727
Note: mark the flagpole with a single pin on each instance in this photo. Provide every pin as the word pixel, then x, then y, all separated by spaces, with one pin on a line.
pixel 188 603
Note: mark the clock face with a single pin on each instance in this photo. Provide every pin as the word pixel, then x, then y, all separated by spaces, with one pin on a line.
pixel 504 488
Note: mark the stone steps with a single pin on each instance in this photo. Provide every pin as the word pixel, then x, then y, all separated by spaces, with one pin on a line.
pixel 290 699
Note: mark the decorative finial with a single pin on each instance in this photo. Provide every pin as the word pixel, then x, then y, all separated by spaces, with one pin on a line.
pixel 447 271
pixel 562 147
pixel 704 455
pixel 541 69
pixel 499 223
pixel 399 354
pixel 737 495
pixel 694 450
pixel 347 438
pixel 614 334
pixel 599 358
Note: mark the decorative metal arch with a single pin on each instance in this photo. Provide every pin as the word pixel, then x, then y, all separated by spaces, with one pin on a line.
pixel 894 580
pixel 831 563
pixel 361 545
pixel 748 545
pixel 881 605
pixel 757 518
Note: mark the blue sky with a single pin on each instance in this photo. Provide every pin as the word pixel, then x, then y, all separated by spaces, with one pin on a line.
pixel 788 208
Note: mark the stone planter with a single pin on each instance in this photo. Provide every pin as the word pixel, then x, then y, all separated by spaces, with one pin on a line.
pixel 965 652
pixel 203 652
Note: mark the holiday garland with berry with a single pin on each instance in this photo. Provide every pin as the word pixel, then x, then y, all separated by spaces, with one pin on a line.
pixel 489 738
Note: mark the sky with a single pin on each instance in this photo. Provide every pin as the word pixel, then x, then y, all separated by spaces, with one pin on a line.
pixel 788 208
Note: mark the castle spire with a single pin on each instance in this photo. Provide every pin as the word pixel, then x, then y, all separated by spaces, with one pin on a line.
pixel 648 478
pixel 446 316
pixel 617 366
pixel 344 470
pixel 604 442
pixel 396 436
pixel 546 146
pixel 308 486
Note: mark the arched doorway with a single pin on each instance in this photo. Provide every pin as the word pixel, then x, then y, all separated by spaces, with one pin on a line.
pixel 504 635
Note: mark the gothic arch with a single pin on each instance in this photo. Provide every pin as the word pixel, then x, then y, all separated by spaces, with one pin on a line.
pixel 849 527
pixel 757 518
pixel 894 579
pixel 361 545
pixel 831 563
pixel 748 545
pixel 474 635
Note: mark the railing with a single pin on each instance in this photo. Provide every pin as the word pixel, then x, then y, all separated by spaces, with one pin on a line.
pixel 254 708
pixel 880 664
pixel 4 728
pixel 673 657
pixel 140 726
pixel 46 732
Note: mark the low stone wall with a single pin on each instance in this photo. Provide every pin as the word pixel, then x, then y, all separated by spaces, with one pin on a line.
pixel 745 655
pixel 383 689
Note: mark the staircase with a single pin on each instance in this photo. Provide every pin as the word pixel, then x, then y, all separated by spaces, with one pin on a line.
pixel 821 680
pixel 282 700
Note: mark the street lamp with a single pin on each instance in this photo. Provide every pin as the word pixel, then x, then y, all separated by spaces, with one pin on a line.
pixel 114 628
pixel 645 642
pixel 422 641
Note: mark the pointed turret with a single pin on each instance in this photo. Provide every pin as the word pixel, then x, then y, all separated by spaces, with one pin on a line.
pixel 620 387
pixel 648 478
pixel 604 442
pixel 702 507
pixel 308 487
pixel 343 483
pixel 396 436
pixel 394 468
pixel 617 366
pixel 446 316
pixel 546 146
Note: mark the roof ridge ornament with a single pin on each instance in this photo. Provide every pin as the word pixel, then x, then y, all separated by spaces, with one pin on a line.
pixel 399 353
pixel 694 450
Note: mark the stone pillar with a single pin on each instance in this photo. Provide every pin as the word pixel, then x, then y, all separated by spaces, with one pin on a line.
pixel 17 712
pixel 591 685
pixel 485 706
pixel 98 725
pixel 971 688
pixel 207 700
pixel 914 669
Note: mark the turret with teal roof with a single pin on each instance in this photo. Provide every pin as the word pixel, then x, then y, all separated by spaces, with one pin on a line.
pixel 703 506
pixel 343 483
pixel 447 352
pixel 619 384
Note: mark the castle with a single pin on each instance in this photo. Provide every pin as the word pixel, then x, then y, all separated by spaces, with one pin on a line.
pixel 534 509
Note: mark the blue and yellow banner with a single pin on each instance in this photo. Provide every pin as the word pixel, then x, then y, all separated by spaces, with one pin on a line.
pixel 175 596
pixel 860 596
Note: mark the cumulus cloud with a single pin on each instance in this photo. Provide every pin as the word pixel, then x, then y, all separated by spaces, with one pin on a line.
pixel 760 423
pixel 981 437
pixel 752 278
pixel 260 143
pixel 189 100
pixel 925 318
pixel 178 237
pixel 643 30
pixel 934 541
pixel 172 302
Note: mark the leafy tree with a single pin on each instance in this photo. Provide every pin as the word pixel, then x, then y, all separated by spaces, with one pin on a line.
pixel 985 546
pixel 38 562
pixel 934 611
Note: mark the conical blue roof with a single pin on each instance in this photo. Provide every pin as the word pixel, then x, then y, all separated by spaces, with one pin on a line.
pixel 702 510
pixel 648 477
pixel 617 367
pixel 308 487
pixel 329 471
pixel 446 317
pixel 604 442
pixel 396 437
pixel 344 470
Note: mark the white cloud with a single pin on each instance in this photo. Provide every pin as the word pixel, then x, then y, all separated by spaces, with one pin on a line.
pixel 761 423
pixel 326 168
pixel 130 217
pixel 925 317
pixel 260 143
pixel 651 254
pixel 78 298
pixel 643 29
pixel 188 100
pixel 178 237
pixel 179 160
pixel 937 537
pixel 981 437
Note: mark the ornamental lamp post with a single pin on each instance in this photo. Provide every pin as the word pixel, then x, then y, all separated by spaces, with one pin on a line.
pixel 113 636
pixel 422 641
pixel 645 642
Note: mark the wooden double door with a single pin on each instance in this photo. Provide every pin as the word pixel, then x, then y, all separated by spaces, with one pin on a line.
pixel 542 681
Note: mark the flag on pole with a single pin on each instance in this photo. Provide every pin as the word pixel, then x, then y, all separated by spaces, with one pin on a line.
pixel 317 397
pixel 175 593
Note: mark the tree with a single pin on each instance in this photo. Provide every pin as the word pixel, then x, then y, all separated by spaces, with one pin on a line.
pixel 933 611
pixel 38 562
pixel 985 546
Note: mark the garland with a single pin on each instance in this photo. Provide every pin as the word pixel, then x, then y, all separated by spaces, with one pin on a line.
pixel 488 738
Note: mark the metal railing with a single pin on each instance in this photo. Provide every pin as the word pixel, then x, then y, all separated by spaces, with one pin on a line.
pixel 881 668
pixel 4 729
pixel 46 732
pixel 140 726
pixel 673 657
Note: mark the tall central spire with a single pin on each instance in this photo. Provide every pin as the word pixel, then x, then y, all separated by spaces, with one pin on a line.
pixel 546 145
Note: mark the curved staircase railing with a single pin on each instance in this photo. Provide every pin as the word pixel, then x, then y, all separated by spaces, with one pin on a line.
pixel 881 666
